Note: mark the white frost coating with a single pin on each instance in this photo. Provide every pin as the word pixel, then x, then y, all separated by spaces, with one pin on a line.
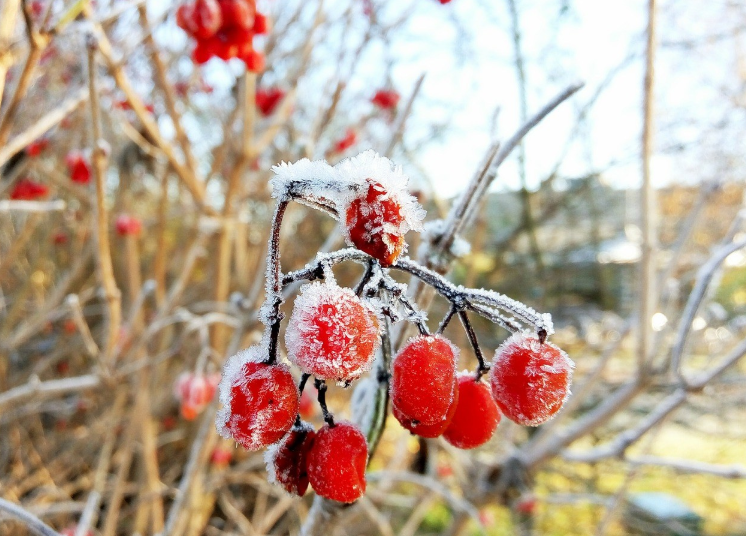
pixel 340 184
pixel 317 173
pixel 327 336
pixel 539 368
pixel 434 229
pixel 232 375
pixel 371 165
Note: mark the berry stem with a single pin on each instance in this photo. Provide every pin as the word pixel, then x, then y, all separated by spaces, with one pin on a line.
pixel 273 300
pixel 483 367
pixel 483 302
pixel 321 388
pixel 446 319
pixel 367 276
pixel 301 386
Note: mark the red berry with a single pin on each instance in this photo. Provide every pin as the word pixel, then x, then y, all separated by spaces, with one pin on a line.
pixel 195 391
pixel 427 430
pixel 375 223
pixel 237 14
pixel 268 99
pixel 336 463
pixel 207 17
pixel 221 456
pixel 386 99
pixel 185 18
pixel 35 148
pixel 60 238
pixel 345 143
pixel 530 380
pixel 261 24
pixel 526 504
pixel 128 225
pixel 476 415
pixel 260 400
pixel 287 461
pixel 28 190
pixel 254 61
pixel 78 167
pixel 423 381
pixel 332 333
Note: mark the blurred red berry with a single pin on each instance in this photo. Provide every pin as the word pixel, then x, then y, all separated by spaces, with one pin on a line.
pixel 254 61
pixel 336 463
pixel 69 326
pixel 37 8
pixel 28 190
pixel 207 17
pixel 221 456
pixel 476 416
pixel 332 333
pixel 237 14
pixel 530 380
pixel 195 391
pixel 268 99
pixel 386 99
pixel 35 148
pixel 78 167
pixel 261 24
pixel 345 143
pixel 525 504
pixel 63 366
pixel 128 225
pixel 59 238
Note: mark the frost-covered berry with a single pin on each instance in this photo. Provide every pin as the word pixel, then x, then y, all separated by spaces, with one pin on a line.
pixel 260 401
pixel 423 380
pixel 375 221
pixel 332 333
pixel 476 415
pixel 428 430
pixel 530 380
pixel 287 461
pixel 336 462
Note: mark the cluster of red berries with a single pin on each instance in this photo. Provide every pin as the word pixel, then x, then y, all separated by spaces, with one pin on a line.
pixel 224 29
pixel 194 392
pixel 333 334
pixel 530 381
